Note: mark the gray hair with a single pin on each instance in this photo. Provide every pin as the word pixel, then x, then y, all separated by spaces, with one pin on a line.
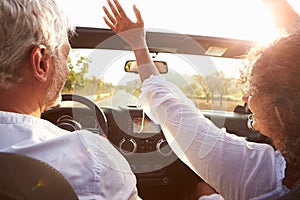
pixel 25 24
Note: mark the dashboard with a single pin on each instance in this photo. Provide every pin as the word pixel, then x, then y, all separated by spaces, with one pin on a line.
pixel 160 174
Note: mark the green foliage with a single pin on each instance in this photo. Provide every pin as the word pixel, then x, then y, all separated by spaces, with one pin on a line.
pixel 78 70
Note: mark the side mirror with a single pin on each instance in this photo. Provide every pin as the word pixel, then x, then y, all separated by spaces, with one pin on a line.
pixel 131 66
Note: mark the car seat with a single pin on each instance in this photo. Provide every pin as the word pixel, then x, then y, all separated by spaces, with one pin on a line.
pixel 23 177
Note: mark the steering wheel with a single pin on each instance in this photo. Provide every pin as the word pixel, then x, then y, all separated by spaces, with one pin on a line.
pixel 67 122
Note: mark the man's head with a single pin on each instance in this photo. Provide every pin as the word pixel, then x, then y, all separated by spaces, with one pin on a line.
pixel 33 46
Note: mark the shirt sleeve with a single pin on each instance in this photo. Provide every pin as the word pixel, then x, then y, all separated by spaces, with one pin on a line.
pixel 227 162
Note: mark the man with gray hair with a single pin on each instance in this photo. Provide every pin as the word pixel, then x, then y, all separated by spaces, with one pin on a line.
pixel 34 47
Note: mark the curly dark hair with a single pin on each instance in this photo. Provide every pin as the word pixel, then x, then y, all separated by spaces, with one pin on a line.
pixel 279 77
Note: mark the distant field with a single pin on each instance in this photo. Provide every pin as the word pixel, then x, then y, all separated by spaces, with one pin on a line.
pixel 227 105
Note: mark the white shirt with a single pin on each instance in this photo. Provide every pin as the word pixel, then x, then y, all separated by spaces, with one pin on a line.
pixel 236 168
pixel 94 168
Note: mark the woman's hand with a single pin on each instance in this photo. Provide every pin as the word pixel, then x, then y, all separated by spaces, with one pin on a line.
pixel 131 32
pixel 134 34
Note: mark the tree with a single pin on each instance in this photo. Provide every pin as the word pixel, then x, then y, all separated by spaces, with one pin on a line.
pixel 76 78
pixel 215 82
pixel 200 79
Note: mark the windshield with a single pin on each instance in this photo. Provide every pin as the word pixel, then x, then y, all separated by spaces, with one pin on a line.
pixel 211 82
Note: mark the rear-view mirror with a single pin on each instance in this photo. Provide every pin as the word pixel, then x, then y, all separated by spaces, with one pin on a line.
pixel 131 66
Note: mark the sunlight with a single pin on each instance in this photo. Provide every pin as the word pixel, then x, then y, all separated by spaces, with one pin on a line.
pixel 230 19
pixel 241 19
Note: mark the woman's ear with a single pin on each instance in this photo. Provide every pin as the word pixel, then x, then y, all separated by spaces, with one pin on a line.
pixel 39 62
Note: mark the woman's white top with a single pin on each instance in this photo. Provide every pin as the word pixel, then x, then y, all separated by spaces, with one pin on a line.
pixel 236 168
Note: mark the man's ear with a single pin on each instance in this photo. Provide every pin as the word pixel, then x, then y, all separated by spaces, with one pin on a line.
pixel 39 62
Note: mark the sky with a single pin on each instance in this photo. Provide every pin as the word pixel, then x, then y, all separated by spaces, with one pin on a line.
pixel 242 19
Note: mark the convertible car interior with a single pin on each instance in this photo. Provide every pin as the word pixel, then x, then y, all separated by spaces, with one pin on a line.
pixel 103 90
pixel 160 174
